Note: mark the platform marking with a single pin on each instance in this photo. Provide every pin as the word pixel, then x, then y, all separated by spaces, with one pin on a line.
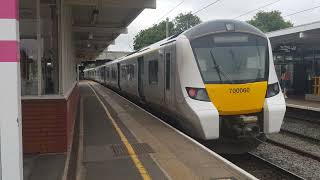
pixel 80 169
pixel 142 170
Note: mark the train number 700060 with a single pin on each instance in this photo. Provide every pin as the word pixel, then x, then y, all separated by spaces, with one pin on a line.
pixel 239 90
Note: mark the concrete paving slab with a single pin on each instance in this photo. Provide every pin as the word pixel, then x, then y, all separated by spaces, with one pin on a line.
pixel 120 169
pixel 44 167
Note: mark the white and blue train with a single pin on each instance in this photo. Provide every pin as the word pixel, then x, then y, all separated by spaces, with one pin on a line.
pixel 217 79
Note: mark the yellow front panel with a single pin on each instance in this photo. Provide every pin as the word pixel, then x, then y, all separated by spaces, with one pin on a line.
pixel 233 99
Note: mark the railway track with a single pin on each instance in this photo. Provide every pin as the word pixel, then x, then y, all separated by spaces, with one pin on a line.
pixel 303 115
pixel 303 119
pixel 291 159
pixel 303 128
pixel 306 122
pixel 300 135
pixel 294 149
pixel 260 167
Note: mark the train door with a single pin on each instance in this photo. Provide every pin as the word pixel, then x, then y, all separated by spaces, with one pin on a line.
pixel 168 77
pixel 140 76
pixel 118 68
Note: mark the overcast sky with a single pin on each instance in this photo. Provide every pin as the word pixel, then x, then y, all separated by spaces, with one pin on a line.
pixel 224 9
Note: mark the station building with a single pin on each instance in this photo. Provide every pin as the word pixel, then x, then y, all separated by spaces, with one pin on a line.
pixel 41 44
pixel 55 36
pixel 297 50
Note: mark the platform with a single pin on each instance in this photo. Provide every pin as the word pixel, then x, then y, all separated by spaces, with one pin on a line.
pixel 301 103
pixel 112 127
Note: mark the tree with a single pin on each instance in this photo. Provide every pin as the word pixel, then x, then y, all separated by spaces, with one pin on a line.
pixel 158 31
pixel 269 21
pixel 151 35
pixel 185 21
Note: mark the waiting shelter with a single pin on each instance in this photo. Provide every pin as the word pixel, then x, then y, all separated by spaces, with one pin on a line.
pixel 297 50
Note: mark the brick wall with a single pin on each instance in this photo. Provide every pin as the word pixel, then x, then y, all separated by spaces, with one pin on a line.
pixel 47 125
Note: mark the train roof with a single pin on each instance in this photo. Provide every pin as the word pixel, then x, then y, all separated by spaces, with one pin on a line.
pixel 215 26
pixel 202 29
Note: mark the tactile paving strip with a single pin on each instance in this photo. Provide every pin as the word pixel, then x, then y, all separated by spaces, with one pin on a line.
pixel 139 148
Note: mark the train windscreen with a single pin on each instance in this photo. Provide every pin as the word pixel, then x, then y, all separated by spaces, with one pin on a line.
pixel 228 58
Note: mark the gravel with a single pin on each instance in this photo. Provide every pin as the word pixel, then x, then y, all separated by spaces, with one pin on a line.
pixel 297 142
pixel 293 162
pixel 302 127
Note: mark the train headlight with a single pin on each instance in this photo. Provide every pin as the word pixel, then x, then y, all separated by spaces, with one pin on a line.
pixel 273 89
pixel 198 94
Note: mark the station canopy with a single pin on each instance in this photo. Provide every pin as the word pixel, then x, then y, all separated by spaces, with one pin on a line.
pixel 303 36
pixel 97 23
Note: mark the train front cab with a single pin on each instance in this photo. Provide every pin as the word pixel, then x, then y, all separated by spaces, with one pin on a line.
pixel 236 71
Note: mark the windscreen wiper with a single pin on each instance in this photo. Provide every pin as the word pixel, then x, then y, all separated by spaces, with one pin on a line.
pixel 259 54
pixel 219 69
pixel 216 66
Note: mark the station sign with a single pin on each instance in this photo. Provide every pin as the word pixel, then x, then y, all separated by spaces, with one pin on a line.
pixel 287 48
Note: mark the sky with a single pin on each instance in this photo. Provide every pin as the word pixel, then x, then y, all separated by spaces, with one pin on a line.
pixel 223 9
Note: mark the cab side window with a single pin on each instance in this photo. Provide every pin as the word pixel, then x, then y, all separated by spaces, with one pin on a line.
pixel 153 72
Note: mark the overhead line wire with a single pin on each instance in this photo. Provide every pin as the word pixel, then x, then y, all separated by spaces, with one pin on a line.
pixel 170 11
pixel 206 7
pixel 256 9
pixel 298 12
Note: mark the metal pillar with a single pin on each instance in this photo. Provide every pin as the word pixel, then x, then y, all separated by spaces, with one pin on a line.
pixel 10 99
pixel 39 54
pixel 167 27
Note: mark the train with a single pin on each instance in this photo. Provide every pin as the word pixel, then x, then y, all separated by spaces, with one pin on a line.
pixel 217 79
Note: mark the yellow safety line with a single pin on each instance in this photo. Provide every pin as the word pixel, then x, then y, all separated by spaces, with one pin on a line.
pixel 142 170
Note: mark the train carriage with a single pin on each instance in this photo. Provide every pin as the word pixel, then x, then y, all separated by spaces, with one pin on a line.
pixel 217 78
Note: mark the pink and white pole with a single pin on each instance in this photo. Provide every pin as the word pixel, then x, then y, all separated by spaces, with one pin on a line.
pixel 10 96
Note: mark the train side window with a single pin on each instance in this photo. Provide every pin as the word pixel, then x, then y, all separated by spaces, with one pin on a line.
pixel 101 73
pixel 131 71
pixel 168 70
pixel 107 73
pixel 124 71
pixel 113 74
pixel 153 72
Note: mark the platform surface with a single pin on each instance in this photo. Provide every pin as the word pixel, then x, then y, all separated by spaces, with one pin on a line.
pixel 43 167
pixel 162 152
